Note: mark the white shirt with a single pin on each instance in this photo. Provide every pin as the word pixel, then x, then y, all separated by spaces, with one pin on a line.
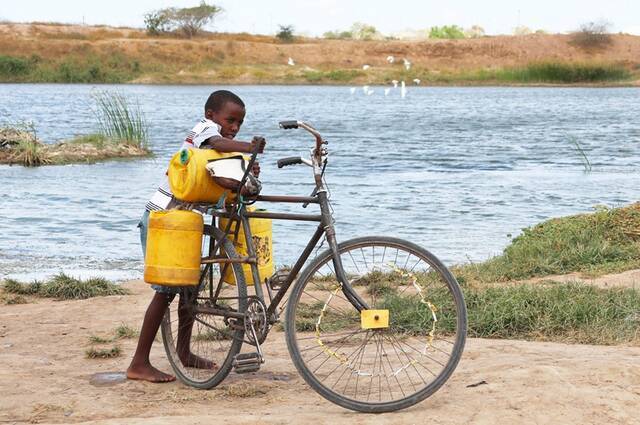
pixel 202 131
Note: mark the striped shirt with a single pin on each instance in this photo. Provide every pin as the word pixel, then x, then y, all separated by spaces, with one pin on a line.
pixel 202 131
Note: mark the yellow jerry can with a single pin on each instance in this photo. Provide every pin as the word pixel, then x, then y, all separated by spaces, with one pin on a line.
pixel 261 233
pixel 174 243
pixel 189 179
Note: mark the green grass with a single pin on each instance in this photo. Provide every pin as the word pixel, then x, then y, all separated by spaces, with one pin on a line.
pixel 120 120
pixel 564 73
pixel 307 318
pixel 14 67
pixel 97 139
pixel 103 353
pixel 332 76
pixel 11 299
pixel 64 287
pixel 124 331
pixel 79 67
pixel 95 339
pixel 605 241
pixel 563 312
pixel 30 153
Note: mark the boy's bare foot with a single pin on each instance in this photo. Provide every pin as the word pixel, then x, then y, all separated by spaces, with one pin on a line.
pixel 149 373
pixel 198 362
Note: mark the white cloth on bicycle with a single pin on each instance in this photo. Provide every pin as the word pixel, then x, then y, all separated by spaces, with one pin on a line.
pixel 202 131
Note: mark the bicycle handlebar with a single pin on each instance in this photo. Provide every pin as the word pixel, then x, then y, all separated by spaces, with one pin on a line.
pixel 287 125
pixel 292 160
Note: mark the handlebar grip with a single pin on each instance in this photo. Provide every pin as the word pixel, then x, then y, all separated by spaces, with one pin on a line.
pixel 287 125
pixel 292 160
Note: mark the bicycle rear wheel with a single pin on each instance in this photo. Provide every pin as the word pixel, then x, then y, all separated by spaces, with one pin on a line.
pixel 190 325
pixel 355 359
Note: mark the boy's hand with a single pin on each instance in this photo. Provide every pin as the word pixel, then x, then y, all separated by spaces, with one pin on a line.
pixel 255 170
pixel 258 141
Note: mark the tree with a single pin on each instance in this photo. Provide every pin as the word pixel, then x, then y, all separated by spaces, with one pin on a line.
pixel 360 31
pixel 592 35
pixel 189 20
pixel 446 31
pixel 157 22
pixel 285 34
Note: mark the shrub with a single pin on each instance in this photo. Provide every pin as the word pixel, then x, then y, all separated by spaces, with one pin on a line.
pixel 592 35
pixel 446 31
pixel 475 31
pixel 338 35
pixel 522 30
pixel 11 66
pixel 285 34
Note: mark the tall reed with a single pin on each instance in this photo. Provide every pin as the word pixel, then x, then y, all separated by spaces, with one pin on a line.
pixel 120 120
pixel 583 156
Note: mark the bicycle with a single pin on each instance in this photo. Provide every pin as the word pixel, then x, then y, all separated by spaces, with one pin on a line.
pixel 373 324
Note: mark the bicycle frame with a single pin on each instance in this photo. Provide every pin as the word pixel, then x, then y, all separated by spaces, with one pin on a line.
pixel 239 214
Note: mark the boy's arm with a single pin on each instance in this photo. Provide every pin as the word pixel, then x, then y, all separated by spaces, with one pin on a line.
pixel 222 144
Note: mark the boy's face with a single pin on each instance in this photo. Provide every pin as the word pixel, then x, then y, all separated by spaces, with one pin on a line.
pixel 230 117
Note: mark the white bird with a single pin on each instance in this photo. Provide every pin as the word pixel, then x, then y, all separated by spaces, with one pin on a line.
pixel 416 81
pixel 407 64
pixel 365 67
pixel 386 91
pixel 352 90
pixel 369 92
pixel 403 90
pixel 291 62
pixel 390 59
pixel 395 83
pixel 365 89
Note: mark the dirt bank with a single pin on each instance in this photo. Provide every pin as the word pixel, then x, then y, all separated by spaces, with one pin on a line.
pixel 45 378
pixel 125 54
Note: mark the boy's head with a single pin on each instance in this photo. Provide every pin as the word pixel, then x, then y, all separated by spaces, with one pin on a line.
pixel 227 110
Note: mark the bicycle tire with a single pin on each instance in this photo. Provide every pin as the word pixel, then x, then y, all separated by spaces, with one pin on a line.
pixel 301 356
pixel 194 377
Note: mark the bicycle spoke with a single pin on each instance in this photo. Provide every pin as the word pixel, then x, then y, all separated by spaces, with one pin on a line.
pixel 352 359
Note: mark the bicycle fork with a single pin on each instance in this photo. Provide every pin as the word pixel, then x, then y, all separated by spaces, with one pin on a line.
pixel 341 275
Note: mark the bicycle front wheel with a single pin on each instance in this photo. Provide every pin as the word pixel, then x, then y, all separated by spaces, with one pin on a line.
pixel 394 354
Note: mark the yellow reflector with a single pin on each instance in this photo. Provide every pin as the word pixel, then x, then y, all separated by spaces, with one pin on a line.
pixel 374 319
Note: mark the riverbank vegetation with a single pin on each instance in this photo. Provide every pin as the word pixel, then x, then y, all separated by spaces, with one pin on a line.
pixel 63 287
pixel 82 54
pixel 605 241
pixel 122 133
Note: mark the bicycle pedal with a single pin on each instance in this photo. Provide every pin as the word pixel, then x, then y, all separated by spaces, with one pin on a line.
pixel 247 362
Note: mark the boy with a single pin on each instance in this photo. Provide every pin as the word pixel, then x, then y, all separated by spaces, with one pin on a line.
pixel 224 114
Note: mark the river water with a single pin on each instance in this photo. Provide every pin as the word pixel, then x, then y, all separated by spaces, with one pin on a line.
pixel 457 170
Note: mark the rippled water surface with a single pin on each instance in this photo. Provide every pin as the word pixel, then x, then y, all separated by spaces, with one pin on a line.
pixel 454 169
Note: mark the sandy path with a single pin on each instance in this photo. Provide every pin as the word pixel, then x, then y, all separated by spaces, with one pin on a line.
pixel 45 378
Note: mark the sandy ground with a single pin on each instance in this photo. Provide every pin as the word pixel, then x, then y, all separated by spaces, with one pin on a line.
pixel 45 378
